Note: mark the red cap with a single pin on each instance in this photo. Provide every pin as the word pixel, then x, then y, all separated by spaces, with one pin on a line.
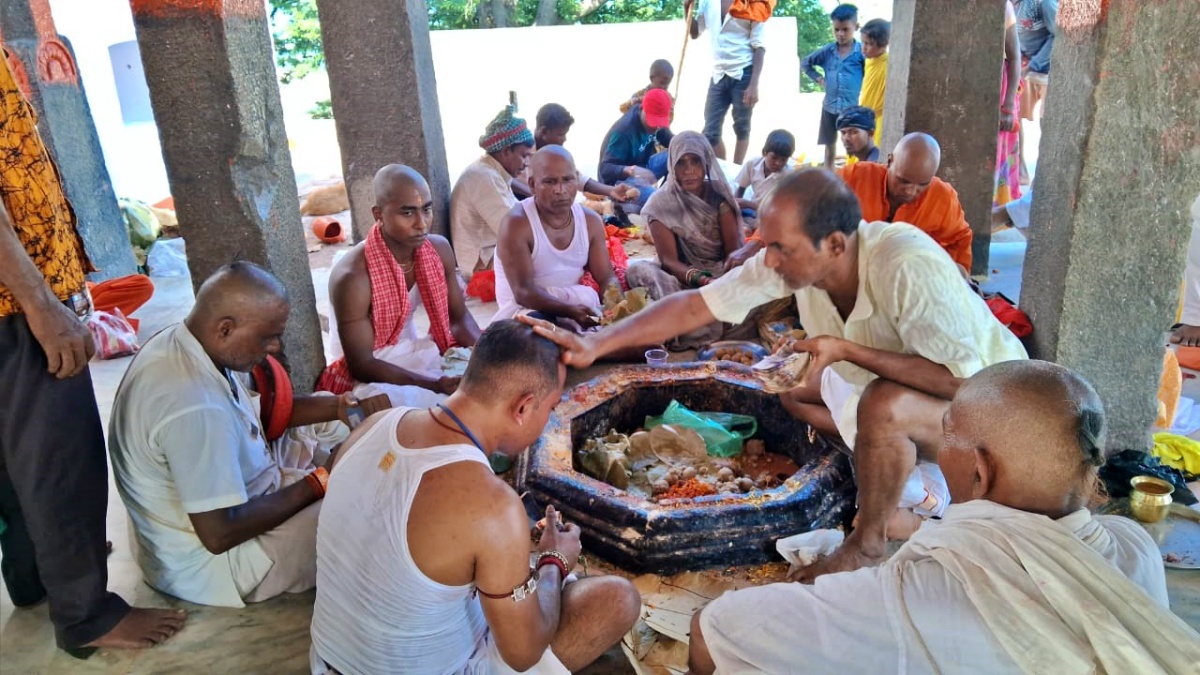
pixel 656 105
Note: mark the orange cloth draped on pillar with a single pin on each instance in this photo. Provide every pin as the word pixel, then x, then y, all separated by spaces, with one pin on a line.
pixel 124 293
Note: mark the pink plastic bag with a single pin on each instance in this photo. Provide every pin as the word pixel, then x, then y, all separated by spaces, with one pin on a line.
pixel 113 334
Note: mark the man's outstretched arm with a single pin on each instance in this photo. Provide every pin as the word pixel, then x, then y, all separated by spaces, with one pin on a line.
pixel 674 315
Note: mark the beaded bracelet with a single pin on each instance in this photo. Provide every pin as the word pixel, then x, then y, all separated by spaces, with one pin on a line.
pixel 554 558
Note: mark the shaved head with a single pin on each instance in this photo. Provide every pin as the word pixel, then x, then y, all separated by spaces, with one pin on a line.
pixel 548 159
pixel 1038 428
pixel 239 315
pixel 237 286
pixel 394 180
pixel 911 167
pixel 920 151
pixel 554 180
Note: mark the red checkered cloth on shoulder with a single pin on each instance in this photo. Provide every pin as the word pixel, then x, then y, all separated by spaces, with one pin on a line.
pixel 391 308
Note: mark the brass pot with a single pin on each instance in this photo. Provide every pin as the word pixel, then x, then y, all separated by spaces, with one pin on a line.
pixel 1150 500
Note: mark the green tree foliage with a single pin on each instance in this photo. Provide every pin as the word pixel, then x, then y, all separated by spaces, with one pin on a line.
pixel 296 30
pixel 296 33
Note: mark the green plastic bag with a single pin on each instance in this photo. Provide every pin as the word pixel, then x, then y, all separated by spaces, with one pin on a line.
pixel 723 433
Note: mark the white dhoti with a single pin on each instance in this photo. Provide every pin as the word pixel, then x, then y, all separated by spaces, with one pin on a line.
pixel 1010 591
pixel 416 355
pixel 925 489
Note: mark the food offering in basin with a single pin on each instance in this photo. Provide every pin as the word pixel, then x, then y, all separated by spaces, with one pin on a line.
pixel 735 351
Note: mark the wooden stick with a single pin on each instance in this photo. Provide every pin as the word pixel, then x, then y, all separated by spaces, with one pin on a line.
pixel 687 35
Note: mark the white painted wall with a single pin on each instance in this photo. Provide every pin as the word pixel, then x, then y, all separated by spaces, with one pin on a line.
pixel 132 152
pixel 589 69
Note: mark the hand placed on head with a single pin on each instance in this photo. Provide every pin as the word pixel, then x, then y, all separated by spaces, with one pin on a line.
pixel 577 351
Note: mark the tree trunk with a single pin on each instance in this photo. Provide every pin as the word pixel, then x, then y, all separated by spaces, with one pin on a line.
pixel 547 14
pixel 483 15
pixel 499 14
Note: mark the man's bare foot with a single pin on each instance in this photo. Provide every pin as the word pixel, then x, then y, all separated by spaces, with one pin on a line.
pixel 903 524
pixel 847 558
pixel 142 628
pixel 1186 336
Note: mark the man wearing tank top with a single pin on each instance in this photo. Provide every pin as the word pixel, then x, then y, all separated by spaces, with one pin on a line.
pixel 423 553
pixel 547 243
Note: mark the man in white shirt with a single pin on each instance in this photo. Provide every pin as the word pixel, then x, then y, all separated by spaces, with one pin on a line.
pixel 738 51
pixel 221 516
pixel 892 329
pixel 1017 577
pixel 483 193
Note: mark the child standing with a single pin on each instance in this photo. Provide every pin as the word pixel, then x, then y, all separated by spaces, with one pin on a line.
pixel 876 34
pixel 841 63
pixel 759 175
pixel 661 74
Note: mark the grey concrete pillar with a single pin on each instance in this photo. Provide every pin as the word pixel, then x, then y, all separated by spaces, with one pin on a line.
pixel 216 102
pixel 385 103
pixel 66 126
pixel 1119 167
pixel 944 72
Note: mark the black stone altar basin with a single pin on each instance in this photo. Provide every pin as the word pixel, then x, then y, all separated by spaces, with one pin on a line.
pixel 716 530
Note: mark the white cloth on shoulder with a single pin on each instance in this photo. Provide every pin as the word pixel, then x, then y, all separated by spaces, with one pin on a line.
pixel 1011 591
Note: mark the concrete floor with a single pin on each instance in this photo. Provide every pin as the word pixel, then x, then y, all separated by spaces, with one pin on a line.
pixel 273 636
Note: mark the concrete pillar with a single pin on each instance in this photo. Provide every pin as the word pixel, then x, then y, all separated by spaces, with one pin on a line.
pixel 1119 168
pixel 216 102
pixel 46 66
pixel 944 72
pixel 385 103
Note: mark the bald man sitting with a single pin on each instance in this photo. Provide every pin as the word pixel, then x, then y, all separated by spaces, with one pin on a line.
pixel 1017 576
pixel 376 287
pixel 547 242
pixel 893 331
pixel 905 190
pixel 221 516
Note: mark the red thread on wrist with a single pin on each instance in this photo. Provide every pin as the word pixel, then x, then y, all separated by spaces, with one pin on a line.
pixel 553 560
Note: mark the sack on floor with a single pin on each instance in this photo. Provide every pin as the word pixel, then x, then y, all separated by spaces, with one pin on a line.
pixel 723 433
pixel 113 334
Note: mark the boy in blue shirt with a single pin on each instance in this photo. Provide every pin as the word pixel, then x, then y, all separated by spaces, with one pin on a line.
pixel 841 63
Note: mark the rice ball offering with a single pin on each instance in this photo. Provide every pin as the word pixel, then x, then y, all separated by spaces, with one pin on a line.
pixel 779 373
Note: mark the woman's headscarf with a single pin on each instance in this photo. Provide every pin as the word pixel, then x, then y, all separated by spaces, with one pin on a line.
pixel 692 219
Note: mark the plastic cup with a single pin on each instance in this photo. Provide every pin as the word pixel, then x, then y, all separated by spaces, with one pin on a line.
pixel 656 357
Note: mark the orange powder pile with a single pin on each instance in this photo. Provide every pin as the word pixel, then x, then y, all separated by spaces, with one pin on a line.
pixel 691 487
